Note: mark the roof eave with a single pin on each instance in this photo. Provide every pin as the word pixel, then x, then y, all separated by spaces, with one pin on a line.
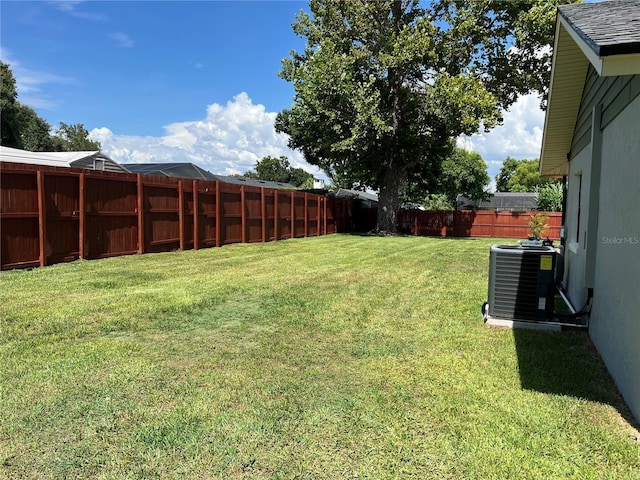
pixel 572 53
pixel 568 74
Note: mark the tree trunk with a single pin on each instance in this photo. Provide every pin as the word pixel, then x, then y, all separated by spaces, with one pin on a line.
pixel 393 185
pixel 394 180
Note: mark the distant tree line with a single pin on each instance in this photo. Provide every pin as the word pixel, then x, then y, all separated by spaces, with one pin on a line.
pixel 23 128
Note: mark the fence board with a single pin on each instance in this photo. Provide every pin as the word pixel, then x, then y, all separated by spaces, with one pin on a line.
pixel 206 213
pixel 161 211
pixel 62 197
pixel 53 214
pixel 111 216
pixel 253 213
pixel 230 213
pixel 300 214
pixel 19 222
pixel 474 223
pixel 313 212
pixel 283 215
pixel 270 231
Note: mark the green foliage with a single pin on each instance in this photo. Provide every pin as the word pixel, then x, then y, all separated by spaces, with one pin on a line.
pixel 383 87
pixel 538 225
pixel 35 132
pixel 464 173
pixel 460 173
pixel 508 168
pixel 280 170
pixel 521 176
pixel 9 108
pixel 550 197
pixel 73 138
pixel 505 42
pixel 438 201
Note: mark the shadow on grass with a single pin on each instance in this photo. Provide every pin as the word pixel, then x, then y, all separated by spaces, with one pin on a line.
pixel 373 233
pixel 566 363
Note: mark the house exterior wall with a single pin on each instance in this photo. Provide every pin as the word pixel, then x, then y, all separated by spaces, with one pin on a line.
pixel 603 245
pixel 615 318
pixel 578 188
pixel 608 96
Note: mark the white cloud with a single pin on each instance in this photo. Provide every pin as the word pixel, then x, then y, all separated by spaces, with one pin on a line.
pixel 66 5
pixel 70 7
pixel 520 135
pixel 230 139
pixel 233 137
pixel 122 39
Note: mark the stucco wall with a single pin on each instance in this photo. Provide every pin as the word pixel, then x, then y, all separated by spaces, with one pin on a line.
pixel 615 318
pixel 575 253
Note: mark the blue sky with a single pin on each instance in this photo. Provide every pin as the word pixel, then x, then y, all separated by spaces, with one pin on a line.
pixel 137 66
pixel 183 81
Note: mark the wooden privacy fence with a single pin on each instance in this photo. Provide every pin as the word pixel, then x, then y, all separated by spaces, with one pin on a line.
pixel 51 214
pixel 475 223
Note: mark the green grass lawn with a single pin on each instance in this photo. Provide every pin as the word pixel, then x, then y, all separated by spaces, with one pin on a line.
pixel 330 357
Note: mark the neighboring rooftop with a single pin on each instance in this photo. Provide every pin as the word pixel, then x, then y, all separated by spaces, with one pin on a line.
pixel 501 201
pixel 194 172
pixel 91 160
pixel 178 170
pixel 254 182
pixel 368 200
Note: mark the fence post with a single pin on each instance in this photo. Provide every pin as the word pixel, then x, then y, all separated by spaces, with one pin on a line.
pixel 181 213
pixel 263 214
pixel 318 215
pixel 42 220
pixel 196 211
pixel 276 236
pixel 306 214
pixel 493 223
pixel 82 216
pixel 140 214
pixel 218 220
pixel 243 214
pixel 324 215
pixel 293 215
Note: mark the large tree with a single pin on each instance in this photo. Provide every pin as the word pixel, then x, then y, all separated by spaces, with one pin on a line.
pixel 382 87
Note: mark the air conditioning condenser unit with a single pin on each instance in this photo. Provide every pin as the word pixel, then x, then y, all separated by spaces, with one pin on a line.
pixel 521 282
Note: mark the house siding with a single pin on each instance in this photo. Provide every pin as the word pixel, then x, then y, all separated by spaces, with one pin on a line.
pixel 88 163
pixel 614 93
pixel 615 322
